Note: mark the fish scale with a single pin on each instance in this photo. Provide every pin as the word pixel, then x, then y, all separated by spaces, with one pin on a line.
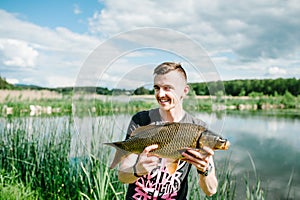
pixel 179 140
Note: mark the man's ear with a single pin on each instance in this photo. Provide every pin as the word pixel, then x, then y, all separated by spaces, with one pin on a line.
pixel 186 89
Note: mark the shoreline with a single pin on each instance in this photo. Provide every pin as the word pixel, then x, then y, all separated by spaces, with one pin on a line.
pixel 38 102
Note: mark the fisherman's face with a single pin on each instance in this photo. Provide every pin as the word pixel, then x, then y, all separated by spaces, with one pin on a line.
pixel 170 89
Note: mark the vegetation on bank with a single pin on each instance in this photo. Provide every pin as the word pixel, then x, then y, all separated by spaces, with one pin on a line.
pixel 66 106
pixel 108 105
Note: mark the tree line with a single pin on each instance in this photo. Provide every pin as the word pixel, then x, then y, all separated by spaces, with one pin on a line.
pixel 247 87
pixel 271 87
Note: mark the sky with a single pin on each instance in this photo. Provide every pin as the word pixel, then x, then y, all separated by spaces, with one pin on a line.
pixel 114 43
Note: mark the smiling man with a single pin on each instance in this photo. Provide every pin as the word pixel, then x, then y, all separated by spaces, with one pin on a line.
pixel 147 175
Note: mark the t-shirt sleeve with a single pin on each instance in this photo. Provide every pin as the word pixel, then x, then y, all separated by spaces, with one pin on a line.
pixel 132 126
pixel 191 119
pixel 199 122
pixel 139 119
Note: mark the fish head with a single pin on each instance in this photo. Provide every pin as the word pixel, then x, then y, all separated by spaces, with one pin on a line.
pixel 222 144
pixel 213 140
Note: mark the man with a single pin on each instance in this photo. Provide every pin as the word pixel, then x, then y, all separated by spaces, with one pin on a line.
pixel 146 174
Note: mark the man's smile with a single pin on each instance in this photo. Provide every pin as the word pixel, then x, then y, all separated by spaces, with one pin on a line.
pixel 164 101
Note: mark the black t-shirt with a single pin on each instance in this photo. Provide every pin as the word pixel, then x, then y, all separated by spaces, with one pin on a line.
pixel 159 184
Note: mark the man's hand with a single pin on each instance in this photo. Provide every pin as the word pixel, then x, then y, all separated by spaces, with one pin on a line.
pixel 146 162
pixel 198 159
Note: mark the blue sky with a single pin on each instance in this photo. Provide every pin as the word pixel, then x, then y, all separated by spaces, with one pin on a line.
pixel 50 43
pixel 70 14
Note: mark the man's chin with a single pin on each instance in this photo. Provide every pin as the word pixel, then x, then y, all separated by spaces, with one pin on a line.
pixel 166 107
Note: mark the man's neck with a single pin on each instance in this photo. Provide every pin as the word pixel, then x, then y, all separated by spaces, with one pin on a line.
pixel 173 115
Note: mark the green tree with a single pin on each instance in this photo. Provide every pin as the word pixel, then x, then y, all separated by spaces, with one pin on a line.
pixel 141 91
pixel 5 85
pixel 288 100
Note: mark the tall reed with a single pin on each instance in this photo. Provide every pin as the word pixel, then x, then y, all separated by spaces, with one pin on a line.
pixel 226 187
pixel 254 192
pixel 37 152
pixel 100 181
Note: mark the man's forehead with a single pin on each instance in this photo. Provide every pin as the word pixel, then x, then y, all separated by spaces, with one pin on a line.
pixel 163 80
pixel 172 77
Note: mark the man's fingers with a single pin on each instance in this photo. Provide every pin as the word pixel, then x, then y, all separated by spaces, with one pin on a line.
pixel 200 164
pixel 150 148
pixel 204 151
pixel 196 155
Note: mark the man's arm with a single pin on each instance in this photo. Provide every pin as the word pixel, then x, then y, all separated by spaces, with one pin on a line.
pixel 209 183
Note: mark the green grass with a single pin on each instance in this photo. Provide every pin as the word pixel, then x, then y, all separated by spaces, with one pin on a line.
pixel 46 160
pixel 13 189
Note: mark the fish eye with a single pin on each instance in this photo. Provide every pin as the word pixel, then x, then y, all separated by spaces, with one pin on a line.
pixel 223 140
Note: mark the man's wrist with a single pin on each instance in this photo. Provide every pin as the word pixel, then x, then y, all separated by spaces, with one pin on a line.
pixel 135 172
pixel 205 173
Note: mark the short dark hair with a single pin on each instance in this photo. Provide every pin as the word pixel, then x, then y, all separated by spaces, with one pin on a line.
pixel 166 67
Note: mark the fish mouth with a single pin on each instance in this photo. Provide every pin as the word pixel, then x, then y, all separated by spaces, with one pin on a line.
pixel 225 145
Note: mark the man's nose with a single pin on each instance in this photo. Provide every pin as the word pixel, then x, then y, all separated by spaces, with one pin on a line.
pixel 161 93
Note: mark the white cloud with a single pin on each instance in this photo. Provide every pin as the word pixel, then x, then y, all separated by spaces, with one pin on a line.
pixel 18 53
pixel 254 32
pixel 48 52
pixel 276 71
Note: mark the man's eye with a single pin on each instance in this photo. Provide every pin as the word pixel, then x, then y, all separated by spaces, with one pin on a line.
pixel 168 88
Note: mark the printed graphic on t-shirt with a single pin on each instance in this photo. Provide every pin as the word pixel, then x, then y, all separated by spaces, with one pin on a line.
pixel 159 184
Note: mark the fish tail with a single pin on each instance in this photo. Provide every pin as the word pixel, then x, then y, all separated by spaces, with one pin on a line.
pixel 119 155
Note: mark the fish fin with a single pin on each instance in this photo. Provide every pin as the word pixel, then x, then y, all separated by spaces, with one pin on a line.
pixel 184 150
pixel 172 166
pixel 143 129
pixel 119 155
pixel 180 151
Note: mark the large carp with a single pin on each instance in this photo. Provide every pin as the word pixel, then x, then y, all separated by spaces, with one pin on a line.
pixel 172 139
